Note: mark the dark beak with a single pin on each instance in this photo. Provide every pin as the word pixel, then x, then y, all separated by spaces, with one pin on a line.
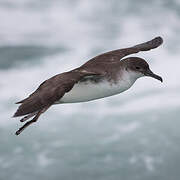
pixel 151 74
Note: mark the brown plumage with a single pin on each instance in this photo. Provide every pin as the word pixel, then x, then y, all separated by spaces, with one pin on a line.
pixel 53 89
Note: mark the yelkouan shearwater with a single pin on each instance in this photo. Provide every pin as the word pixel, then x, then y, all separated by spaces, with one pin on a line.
pixel 104 75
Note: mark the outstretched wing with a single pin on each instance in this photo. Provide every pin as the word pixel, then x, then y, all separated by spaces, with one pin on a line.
pixel 50 91
pixel 116 55
pixel 47 94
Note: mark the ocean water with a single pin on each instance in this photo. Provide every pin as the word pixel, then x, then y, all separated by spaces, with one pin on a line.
pixel 134 135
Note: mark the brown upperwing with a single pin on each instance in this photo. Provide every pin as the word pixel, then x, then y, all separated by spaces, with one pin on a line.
pixel 50 91
pixel 116 55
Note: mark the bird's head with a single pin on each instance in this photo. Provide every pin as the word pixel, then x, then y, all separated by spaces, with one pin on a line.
pixel 139 67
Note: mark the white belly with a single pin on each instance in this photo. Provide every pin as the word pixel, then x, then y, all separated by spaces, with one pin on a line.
pixel 87 91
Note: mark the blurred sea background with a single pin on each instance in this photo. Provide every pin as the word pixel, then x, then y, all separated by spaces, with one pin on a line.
pixel 134 135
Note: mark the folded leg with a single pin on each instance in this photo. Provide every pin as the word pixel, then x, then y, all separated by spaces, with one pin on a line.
pixel 37 115
pixel 28 117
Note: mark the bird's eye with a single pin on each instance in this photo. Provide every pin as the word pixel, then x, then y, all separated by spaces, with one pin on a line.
pixel 137 67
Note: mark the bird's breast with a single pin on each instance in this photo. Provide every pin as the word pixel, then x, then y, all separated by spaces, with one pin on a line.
pixel 88 90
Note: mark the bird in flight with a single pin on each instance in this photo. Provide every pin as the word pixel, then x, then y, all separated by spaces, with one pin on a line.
pixel 104 75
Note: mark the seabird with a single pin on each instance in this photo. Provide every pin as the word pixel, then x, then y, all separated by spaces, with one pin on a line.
pixel 104 75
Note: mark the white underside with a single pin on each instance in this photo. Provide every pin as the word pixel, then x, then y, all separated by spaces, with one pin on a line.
pixel 87 91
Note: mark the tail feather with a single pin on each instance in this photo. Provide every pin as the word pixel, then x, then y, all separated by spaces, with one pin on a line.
pixel 20 102
pixel 28 106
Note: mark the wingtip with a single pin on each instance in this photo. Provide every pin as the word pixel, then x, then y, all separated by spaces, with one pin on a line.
pixel 19 102
pixel 158 40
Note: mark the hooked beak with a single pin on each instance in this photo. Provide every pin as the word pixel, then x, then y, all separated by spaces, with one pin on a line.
pixel 151 74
